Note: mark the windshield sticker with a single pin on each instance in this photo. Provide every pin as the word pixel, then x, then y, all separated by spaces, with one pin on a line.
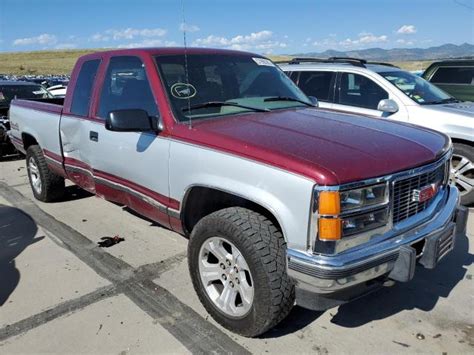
pixel 418 98
pixel 263 61
pixel 183 91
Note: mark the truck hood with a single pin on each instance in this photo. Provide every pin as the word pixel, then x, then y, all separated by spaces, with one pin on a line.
pixel 330 148
pixel 465 109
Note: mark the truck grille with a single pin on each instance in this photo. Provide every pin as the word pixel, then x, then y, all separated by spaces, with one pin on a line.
pixel 403 204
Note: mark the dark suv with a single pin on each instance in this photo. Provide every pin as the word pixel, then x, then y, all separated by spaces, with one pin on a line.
pixel 456 77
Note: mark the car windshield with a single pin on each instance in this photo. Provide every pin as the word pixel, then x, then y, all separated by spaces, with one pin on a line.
pixel 9 92
pixel 219 85
pixel 417 89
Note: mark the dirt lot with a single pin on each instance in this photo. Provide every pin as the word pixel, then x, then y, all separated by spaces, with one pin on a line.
pixel 63 294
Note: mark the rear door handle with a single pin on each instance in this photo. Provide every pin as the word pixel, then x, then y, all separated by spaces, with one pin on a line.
pixel 94 136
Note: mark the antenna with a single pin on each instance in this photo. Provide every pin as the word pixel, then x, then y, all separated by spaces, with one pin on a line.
pixel 186 62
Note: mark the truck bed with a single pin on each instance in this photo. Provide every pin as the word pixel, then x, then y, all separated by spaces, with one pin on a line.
pixel 39 120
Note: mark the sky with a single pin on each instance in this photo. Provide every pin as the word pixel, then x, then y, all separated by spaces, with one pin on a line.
pixel 268 27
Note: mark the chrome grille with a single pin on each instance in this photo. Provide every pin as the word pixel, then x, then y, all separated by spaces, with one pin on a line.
pixel 403 204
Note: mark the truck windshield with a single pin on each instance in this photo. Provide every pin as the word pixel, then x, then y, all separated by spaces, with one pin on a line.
pixel 245 83
pixel 417 89
pixel 9 92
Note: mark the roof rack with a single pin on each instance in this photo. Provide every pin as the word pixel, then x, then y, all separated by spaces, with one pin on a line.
pixel 348 60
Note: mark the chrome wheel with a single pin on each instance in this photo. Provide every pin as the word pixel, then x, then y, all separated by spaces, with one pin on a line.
pixel 462 173
pixel 226 277
pixel 34 174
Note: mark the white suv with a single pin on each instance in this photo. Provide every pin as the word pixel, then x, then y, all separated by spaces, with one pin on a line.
pixel 384 91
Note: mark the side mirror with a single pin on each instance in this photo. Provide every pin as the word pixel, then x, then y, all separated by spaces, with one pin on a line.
pixel 133 120
pixel 314 101
pixel 388 106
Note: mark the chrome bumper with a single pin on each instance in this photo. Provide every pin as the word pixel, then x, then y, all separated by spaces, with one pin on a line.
pixel 394 257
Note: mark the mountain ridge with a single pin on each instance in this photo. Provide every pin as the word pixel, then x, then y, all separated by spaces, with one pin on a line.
pixel 445 51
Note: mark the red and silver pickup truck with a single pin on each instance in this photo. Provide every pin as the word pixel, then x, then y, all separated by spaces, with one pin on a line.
pixel 283 202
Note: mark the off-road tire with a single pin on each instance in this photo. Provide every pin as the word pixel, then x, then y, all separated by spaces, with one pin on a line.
pixel 264 249
pixel 53 185
pixel 468 152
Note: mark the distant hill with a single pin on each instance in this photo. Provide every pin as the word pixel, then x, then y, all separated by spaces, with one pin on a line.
pixel 444 51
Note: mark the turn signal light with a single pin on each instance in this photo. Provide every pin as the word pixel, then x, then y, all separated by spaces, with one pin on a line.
pixel 330 228
pixel 329 203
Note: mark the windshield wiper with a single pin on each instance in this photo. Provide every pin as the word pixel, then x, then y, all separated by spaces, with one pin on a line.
pixel 287 98
pixel 223 103
pixel 444 101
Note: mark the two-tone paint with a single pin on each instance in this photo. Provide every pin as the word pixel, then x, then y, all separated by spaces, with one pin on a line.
pixel 273 159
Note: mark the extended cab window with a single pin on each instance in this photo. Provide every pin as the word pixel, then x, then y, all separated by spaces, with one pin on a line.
pixel 461 75
pixel 126 87
pixel 83 90
pixel 317 84
pixel 357 90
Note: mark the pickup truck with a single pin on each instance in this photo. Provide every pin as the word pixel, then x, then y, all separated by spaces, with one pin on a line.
pixel 282 202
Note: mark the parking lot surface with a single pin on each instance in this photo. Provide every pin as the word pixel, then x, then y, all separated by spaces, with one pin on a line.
pixel 61 293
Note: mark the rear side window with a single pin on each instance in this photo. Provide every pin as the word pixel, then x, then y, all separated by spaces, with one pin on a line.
pixel 83 90
pixel 357 90
pixel 453 75
pixel 126 87
pixel 317 84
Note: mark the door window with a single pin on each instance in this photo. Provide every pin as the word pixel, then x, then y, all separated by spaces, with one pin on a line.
pixel 83 90
pixel 317 84
pixel 126 86
pixel 357 90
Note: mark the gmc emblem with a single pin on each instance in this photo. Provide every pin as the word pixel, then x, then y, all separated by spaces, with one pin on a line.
pixel 425 193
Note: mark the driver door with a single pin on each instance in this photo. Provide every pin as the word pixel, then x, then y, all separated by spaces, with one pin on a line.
pixel 130 168
pixel 359 94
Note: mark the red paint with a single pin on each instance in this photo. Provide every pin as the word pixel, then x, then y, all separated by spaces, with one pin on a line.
pixel 328 147
pixel 164 200
pixel 176 225
pixel 135 203
pixel 53 156
pixel 38 106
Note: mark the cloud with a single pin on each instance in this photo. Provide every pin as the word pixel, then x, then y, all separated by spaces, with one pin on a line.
pixel 188 28
pixel 44 39
pixel 65 46
pixel 149 43
pixel 364 38
pixel 263 40
pixel 405 42
pixel 127 33
pixel 406 30
pixel 98 37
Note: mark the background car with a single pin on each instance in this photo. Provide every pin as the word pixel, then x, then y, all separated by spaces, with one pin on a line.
pixel 8 91
pixel 456 77
pixel 382 90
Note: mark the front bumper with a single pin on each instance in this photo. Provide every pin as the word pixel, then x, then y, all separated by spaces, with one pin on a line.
pixel 347 273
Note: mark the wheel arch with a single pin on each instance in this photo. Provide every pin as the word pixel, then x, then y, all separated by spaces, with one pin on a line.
pixel 201 200
pixel 28 140
pixel 462 141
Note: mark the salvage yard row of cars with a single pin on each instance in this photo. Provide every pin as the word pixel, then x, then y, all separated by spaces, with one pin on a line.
pixel 283 201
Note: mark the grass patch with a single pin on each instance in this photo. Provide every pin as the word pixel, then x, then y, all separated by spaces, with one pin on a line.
pixel 62 62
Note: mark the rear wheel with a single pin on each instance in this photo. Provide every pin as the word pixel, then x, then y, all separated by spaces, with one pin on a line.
pixel 462 171
pixel 237 262
pixel 46 185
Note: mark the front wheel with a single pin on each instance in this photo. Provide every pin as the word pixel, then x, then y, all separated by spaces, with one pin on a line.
pixel 237 262
pixel 462 171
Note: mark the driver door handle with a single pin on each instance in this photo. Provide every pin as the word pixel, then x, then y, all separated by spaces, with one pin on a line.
pixel 93 136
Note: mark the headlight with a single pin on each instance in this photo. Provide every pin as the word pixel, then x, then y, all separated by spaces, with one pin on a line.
pixel 364 197
pixel 351 212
